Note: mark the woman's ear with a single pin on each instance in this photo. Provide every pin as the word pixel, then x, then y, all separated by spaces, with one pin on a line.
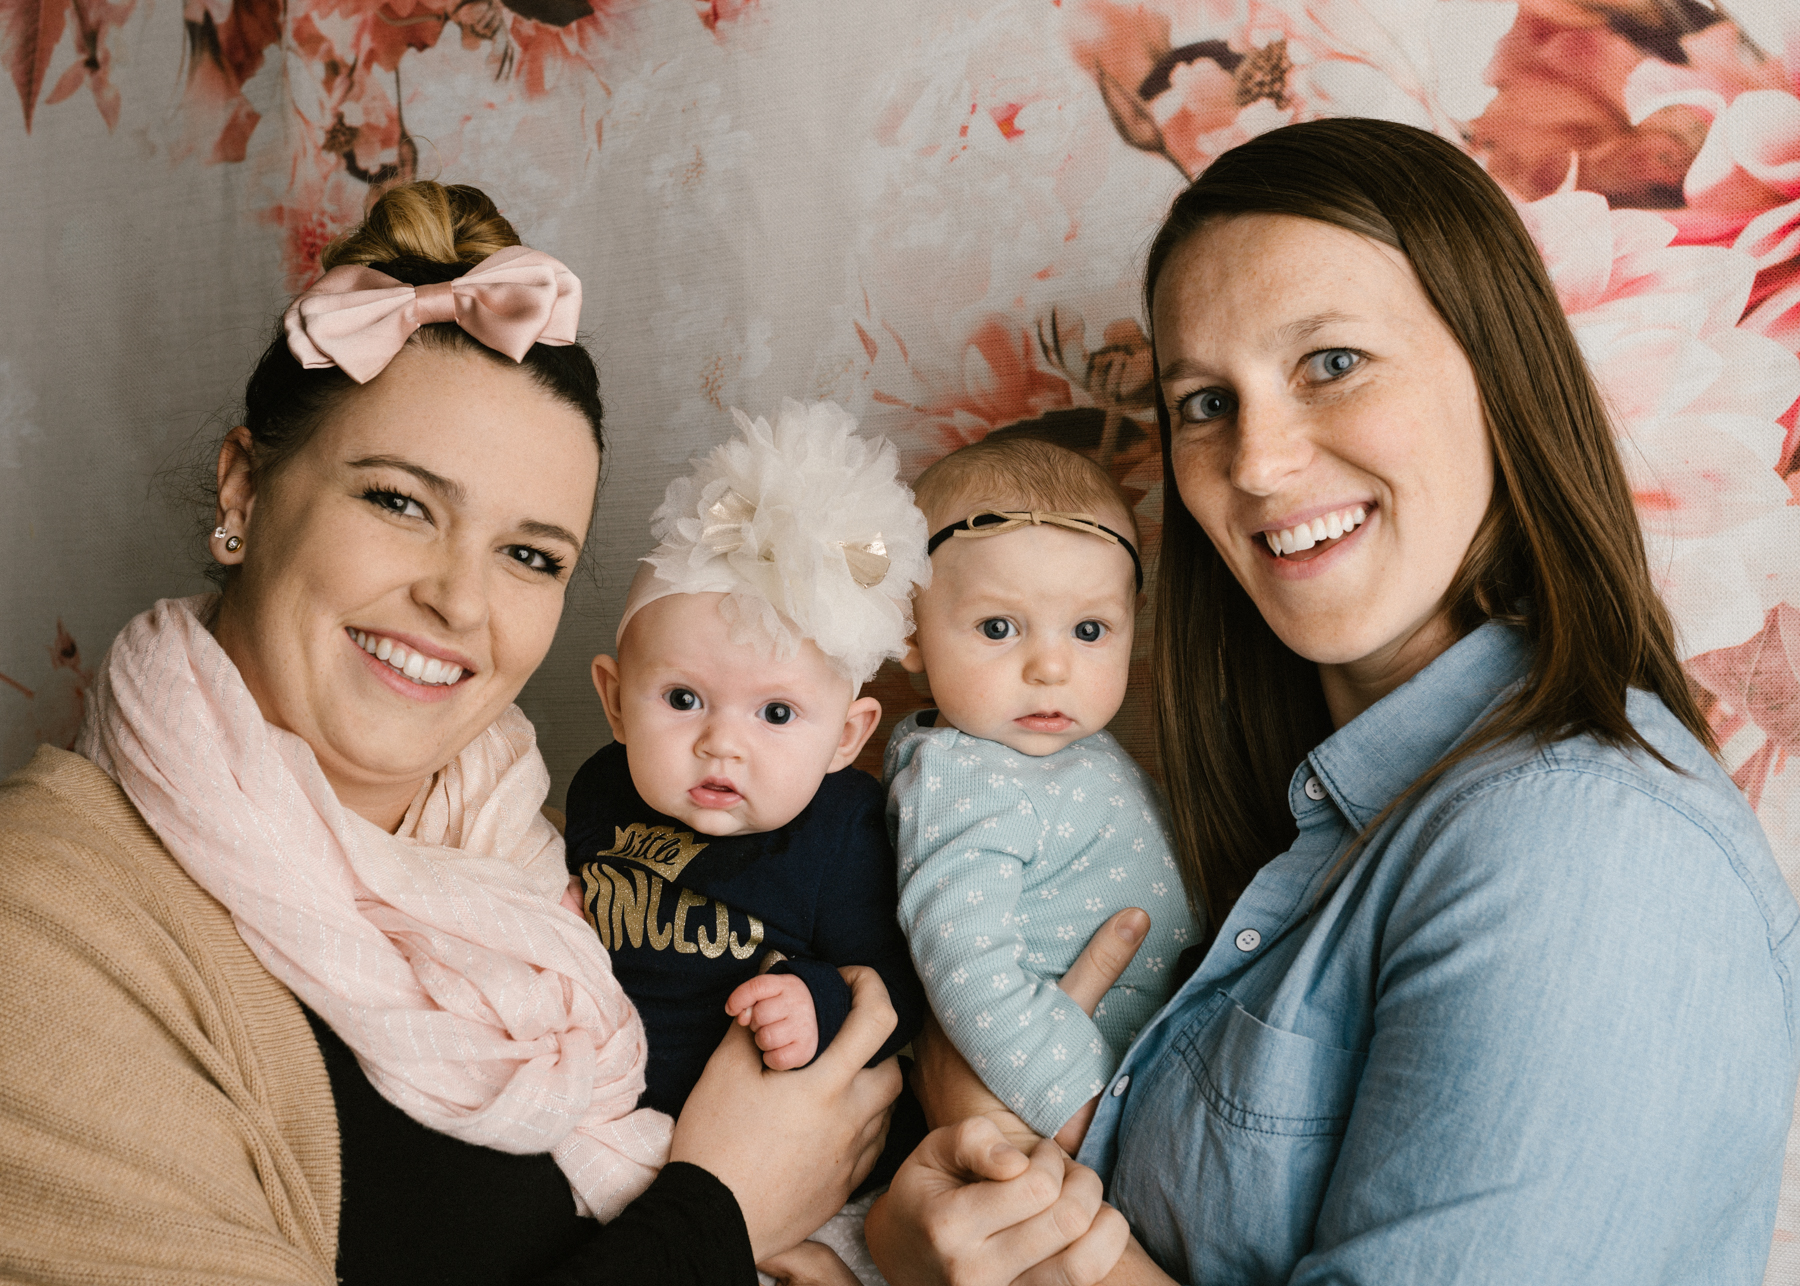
pixel 237 497
pixel 859 725
pixel 606 683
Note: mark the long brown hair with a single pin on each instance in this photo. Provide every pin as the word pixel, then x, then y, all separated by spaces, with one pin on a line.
pixel 1558 552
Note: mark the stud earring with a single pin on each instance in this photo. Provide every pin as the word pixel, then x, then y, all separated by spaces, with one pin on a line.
pixel 218 533
pixel 233 545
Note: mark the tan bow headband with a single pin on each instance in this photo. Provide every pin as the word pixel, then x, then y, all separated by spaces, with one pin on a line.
pixel 994 522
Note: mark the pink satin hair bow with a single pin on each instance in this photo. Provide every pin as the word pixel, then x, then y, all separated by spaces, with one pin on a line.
pixel 356 318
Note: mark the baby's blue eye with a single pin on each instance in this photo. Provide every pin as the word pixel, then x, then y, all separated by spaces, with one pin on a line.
pixel 682 699
pixel 777 713
pixel 1090 631
pixel 997 628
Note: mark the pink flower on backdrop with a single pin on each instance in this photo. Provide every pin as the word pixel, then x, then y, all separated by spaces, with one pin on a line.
pixel 1190 79
pixel 1743 188
pixel 1696 401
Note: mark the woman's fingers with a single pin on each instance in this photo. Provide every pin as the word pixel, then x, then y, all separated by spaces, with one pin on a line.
pixel 870 1023
pixel 809 1264
pixel 1089 1259
pixel 1078 1197
pixel 1105 957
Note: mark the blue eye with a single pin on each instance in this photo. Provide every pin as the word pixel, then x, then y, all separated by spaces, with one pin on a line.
pixel 682 699
pixel 1332 363
pixel 777 713
pixel 997 628
pixel 1207 404
pixel 1090 631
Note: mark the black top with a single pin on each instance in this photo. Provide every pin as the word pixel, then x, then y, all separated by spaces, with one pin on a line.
pixel 688 918
pixel 421 1207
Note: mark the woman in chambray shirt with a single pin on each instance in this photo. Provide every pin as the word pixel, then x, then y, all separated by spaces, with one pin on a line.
pixel 1502 988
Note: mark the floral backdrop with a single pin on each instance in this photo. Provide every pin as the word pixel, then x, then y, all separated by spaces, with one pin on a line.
pixel 931 212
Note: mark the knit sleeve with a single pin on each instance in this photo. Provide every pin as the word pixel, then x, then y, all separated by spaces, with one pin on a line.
pixel 164 1115
pixel 685 1230
pixel 965 834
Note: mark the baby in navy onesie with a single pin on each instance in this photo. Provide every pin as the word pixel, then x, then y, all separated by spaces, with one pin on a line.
pixel 724 849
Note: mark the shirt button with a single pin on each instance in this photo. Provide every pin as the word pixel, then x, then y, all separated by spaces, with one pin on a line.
pixel 1119 1086
pixel 1249 940
pixel 1315 789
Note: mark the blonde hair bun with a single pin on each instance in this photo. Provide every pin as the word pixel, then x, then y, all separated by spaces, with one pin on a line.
pixel 454 224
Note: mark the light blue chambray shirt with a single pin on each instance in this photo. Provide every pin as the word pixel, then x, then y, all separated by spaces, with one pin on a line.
pixel 1541 1030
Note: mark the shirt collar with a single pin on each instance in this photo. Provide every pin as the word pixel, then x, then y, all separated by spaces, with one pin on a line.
pixel 1368 762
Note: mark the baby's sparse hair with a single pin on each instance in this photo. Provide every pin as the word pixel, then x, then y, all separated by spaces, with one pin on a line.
pixel 1009 472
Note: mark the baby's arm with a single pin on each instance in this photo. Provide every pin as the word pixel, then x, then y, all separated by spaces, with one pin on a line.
pixel 778 1007
pixel 960 904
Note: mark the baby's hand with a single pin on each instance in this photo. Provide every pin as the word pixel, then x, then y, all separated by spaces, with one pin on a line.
pixel 779 1009
pixel 571 897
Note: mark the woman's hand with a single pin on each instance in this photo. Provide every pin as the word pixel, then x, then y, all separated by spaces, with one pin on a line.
pixel 791 1145
pixel 968 1206
pixel 969 1209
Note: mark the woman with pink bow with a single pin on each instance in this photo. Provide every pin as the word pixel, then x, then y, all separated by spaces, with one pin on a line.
pixel 286 994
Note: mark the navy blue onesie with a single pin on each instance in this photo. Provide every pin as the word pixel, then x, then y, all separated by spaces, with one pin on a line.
pixel 689 917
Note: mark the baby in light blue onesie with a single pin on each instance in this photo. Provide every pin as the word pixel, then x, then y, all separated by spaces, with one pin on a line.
pixel 1020 824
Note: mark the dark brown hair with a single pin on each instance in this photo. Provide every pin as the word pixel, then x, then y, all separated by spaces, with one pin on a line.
pixel 418 233
pixel 1558 552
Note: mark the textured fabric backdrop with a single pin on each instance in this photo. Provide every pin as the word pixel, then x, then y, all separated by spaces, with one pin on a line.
pixel 930 211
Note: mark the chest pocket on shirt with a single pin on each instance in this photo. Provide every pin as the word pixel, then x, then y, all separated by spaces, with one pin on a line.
pixel 1265 1112
pixel 1261 1078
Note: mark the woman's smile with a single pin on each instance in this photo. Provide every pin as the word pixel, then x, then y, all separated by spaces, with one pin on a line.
pixel 413 671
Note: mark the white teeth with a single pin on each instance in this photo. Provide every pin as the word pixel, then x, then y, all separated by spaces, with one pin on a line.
pixel 414 665
pixel 1307 534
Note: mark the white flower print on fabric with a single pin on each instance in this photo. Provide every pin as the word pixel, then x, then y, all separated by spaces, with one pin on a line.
pixel 1032 832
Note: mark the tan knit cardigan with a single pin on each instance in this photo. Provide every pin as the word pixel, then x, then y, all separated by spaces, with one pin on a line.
pixel 165 1115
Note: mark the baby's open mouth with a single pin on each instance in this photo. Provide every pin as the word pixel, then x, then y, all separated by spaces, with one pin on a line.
pixel 716 792
pixel 1297 542
pixel 421 669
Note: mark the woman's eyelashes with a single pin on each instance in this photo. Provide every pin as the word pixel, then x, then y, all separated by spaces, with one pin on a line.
pixel 1325 366
pixel 397 503
pixel 401 505
pixel 1330 364
pixel 534 559
pixel 1205 405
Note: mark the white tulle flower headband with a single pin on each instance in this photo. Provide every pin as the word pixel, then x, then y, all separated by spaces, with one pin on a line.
pixel 806 529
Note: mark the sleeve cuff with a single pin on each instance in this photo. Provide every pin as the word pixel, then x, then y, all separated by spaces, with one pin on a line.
pixel 830 996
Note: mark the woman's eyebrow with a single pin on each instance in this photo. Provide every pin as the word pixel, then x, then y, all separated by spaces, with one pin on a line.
pixel 1297 331
pixel 549 531
pixel 436 481
pixel 455 492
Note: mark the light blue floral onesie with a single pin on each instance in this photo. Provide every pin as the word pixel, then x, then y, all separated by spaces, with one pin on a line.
pixel 1008 863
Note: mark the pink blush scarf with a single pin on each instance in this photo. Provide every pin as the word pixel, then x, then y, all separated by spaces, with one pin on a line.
pixel 474 1001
